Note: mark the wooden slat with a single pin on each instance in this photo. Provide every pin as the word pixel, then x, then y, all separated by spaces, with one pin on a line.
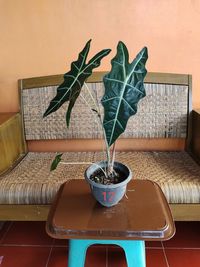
pixel 24 212
pixel 5 117
pixel 189 117
pixel 171 144
pixel 185 212
pixel 195 144
pixel 54 80
pixel 12 145
pixel 152 77
pixel 167 78
pixel 180 212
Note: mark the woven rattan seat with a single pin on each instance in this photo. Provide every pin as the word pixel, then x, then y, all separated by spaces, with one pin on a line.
pixel 31 182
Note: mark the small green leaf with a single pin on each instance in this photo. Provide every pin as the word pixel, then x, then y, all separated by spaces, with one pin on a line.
pixel 55 162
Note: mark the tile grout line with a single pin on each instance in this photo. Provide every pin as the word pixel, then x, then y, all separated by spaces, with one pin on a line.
pixel 4 235
pixel 50 252
pixel 177 248
pixel 165 254
pixel 2 223
pixel 26 245
pixel 106 256
pixel 2 239
pixel 171 248
pixel 153 248
pixel 47 262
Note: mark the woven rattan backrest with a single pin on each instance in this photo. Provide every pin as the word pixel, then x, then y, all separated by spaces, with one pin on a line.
pixel 162 113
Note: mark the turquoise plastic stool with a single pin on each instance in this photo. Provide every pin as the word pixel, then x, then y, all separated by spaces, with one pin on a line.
pixel 134 251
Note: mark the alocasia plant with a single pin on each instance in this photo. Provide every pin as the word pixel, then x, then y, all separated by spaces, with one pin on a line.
pixel 124 87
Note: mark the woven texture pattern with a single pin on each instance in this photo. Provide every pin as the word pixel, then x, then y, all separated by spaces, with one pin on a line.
pixel 162 113
pixel 32 183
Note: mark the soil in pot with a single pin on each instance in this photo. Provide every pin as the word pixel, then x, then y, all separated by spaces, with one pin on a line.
pixel 116 177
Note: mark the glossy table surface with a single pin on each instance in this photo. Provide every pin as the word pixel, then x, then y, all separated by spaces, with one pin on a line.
pixel 143 214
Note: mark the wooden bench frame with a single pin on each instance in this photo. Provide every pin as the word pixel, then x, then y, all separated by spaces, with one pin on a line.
pixel 181 212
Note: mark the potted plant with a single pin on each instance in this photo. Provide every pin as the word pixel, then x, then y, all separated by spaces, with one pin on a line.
pixel 124 88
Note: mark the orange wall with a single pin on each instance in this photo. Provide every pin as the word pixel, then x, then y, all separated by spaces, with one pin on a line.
pixel 42 37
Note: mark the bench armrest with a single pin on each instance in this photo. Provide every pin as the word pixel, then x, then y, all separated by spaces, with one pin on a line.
pixel 12 144
pixel 195 142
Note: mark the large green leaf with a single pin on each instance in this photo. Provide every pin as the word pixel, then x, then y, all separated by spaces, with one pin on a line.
pixel 70 89
pixel 124 87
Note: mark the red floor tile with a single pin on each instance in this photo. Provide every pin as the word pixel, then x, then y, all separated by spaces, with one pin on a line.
pixel 153 244
pixel 4 229
pixel 24 256
pixel 61 242
pixel 116 257
pixel 155 258
pixel 187 236
pixel 58 257
pixel 21 234
pixel 96 256
pixel 183 257
pixel 27 233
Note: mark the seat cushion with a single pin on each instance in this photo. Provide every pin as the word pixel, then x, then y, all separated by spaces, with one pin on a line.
pixel 31 182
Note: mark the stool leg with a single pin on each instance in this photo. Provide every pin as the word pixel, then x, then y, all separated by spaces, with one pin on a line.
pixel 135 253
pixel 77 252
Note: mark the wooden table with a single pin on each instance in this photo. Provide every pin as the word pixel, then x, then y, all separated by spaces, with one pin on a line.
pixel 142 215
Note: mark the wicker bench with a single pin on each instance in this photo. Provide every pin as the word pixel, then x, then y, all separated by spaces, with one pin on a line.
pixel 161 144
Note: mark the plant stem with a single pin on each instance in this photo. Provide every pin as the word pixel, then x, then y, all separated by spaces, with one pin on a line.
pixel 107 147
pixel 84 163
pixel 76 163
pixel 86 102
pixel 113 157
pixel 95 101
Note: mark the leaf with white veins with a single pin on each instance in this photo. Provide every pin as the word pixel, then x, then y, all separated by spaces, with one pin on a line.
pixel 70 89
pixel 124 87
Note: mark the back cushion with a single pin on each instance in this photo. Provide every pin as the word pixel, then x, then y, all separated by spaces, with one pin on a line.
pixel 161 114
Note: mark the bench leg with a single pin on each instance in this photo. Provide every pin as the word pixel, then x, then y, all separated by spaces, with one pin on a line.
pixel 134 251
